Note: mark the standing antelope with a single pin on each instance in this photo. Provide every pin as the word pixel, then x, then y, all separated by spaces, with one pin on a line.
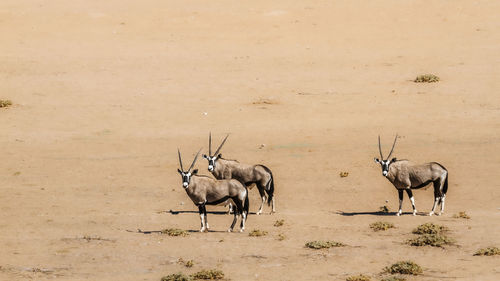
pixel 247 174
pixel 204 190
pixel 406 176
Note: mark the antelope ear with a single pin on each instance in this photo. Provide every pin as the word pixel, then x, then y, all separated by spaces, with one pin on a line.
pixel 195 171
pixel 205 156
pixel 220 155
pixel 394 160
pixel 179 171
pixel 376 160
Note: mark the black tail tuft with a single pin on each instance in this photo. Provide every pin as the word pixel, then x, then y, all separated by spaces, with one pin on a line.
pixel 246 207
pixel 445 186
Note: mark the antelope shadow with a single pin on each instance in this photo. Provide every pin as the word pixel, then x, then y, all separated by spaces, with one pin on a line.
pixel 173 212
pixel 376 213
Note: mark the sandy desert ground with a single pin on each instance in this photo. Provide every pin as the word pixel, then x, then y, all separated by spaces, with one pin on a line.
pixel 105 92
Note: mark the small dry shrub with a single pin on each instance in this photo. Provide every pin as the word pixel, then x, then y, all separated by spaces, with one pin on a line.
pixel 393 278
pixel 461 215
pixel 323 244
pixel 5 103
pixel 281 237
pixel 384 209
pixel 404 267
pixel 381 225
pixel 174 232
pixel 426 78
pixel 490 251
pixel 264 101
pixel 434 240
pixel 210 274
pixel 344 174
pixel 176 277
pixel 360 277
pixel 279 223
pixel 430 228
pixel 188 263
pixel 257 233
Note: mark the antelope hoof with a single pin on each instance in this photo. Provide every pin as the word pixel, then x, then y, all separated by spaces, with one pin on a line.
pixel 202 230
pixel 415 213
pixel 230 230
pixel 438 214
pixel 399 213
pixel 242 229
pixel 431 213
pixel 258 213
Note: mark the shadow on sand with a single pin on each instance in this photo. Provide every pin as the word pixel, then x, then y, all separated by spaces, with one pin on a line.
pixel 196 212
pixel 377 213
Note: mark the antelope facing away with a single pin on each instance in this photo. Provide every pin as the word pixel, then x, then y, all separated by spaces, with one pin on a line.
pixel 204 190
pixel 406 176
pixel 247 174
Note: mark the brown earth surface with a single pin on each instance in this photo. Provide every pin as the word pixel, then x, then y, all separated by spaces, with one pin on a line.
pixel 104 92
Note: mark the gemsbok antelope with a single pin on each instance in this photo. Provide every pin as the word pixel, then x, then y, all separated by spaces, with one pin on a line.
pixel 204 190
pixel 406 176
pixel 247 174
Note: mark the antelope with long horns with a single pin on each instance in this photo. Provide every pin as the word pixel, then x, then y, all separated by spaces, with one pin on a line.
pixel 406 176
pixel 204 191
pixel 247 174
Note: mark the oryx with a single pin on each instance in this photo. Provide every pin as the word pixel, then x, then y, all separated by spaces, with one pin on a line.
pixel 406 176
pixel 204 190
pixel 247 174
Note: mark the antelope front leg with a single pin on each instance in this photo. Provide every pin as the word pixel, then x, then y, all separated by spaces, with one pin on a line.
pixel 410 195
pixel 205 215
pixel 400 194
pixel 202 217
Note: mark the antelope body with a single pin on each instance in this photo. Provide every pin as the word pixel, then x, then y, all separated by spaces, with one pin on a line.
pixel 406 176
pixel 259 175
pixel 203 190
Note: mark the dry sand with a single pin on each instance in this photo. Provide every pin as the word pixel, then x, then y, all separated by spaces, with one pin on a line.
pixel 105 91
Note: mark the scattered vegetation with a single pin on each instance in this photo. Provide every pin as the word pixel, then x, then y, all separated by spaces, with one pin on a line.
pixel 174 232
pixel 426 78
pixel 360 277
pixel 257 233
pixel 281 237
pixel 381 225
pixel 264 101
pixel 430 228
pixel 384 209
pixel 89 238
pixel 434 240
pixel 461 215
pixel 176 277
pixel 404 267
pixel 5 103
pixel 490 251
pixel 188 263
pixel 210 274
pixel 279 223
pixel 344 174
pixel 393 278
pixel 323 244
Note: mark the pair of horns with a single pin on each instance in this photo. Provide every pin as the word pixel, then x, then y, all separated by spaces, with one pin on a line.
pixel 392 149
pixel 210 145
pixel 192 164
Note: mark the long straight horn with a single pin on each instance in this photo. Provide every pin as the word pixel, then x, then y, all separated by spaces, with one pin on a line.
pixel 380 149
pixel 192 164
pixel 210 144
pixel 220 146
pixel 180 160
pixel 390 153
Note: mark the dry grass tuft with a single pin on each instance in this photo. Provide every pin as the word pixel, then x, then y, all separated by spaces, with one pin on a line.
pixel 344 174
pixel 360 277
pixel 461 215
pixel 210 274
pixel 323 244
pixel 279 223
pixel 393 278
pixel 426 78
pixel 490 251
pixel 430 228
pixel 174 232
pixel 188 263
pixel 381 225
pixel 176 277
pixel 281 237
pixel 264 101
pixel 257 233
pixel 404 267
pixel 5 103
pixel 384 209
pixel 434 240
